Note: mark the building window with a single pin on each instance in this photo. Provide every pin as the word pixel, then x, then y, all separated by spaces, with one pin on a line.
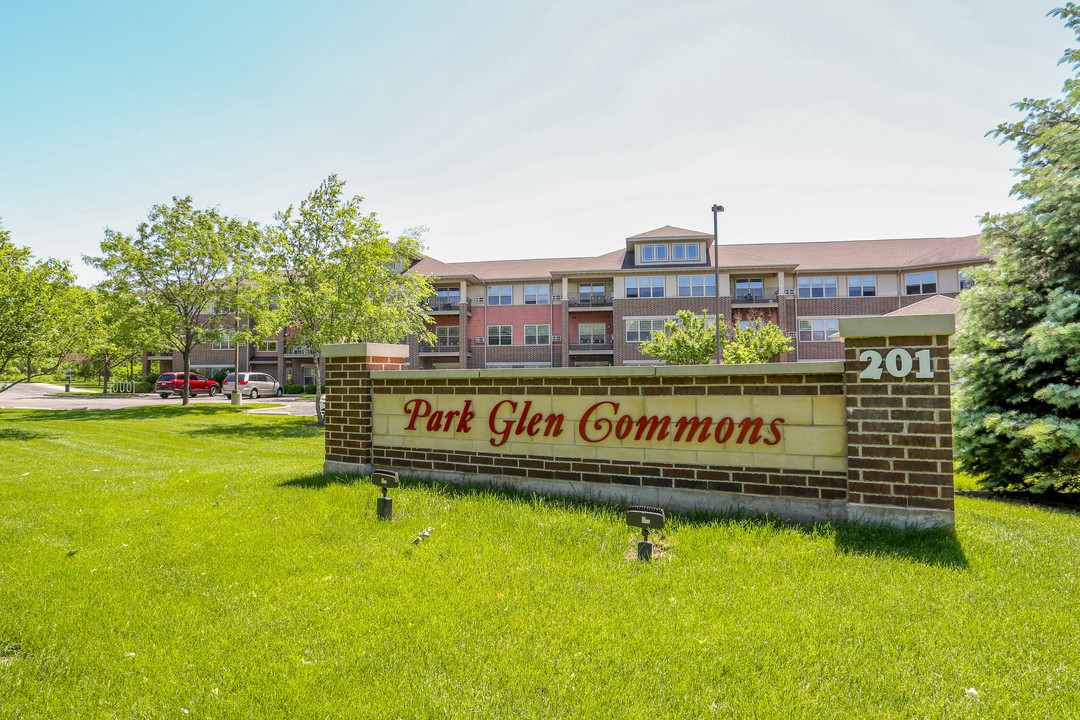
pixel 684 251
pixel 749 289
pixel 643 287
pixel 591 333
pixel 266 346
pixel 448 296
pixel 642 330
pixel 697 286
pixel 447 335
pixel 816 287
pixel 500 334
pixel 862 286
pixel 920 283
pixel 537 334
pixel 654 253
pixel 536 295
pixel 500 295
pixel 309 376
pixel 223 343
pixel 966 281
pixel 818 330
pixel 590 293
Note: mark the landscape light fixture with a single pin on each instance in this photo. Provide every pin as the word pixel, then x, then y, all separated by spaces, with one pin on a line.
pixel 716 210
pixel 384 507
pixel 647 518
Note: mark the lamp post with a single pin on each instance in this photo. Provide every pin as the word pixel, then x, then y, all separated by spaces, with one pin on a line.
pixel 716 210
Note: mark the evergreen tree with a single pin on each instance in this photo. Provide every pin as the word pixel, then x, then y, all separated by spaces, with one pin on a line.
pixel 1017 411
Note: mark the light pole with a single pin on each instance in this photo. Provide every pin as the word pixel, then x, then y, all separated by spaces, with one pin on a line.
pixel 716 210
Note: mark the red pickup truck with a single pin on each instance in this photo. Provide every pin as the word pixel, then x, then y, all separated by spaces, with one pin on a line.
pixel 173 384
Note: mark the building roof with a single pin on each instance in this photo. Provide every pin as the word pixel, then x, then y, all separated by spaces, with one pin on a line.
pixel 847 255
pixel 831 256
pixel 933 305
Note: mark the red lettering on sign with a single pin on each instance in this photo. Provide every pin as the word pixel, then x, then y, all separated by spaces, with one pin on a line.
pixel 751 426
pixel 466 416
pixel 775 431
pixel 600 424
pixel 420 408
pixel 724 428
pixel 554 425
pixel 693 423
pixel 508 425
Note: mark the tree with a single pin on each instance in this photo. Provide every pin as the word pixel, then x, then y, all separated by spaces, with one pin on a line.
pixel 1017 411
pixel 176 264
pixel 119 330
pixel 690 341
pixel 758 342
pixel 42 313
pixel 337 277
pixel 686 341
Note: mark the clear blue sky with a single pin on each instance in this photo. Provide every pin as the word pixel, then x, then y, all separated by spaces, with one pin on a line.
pixel 520 129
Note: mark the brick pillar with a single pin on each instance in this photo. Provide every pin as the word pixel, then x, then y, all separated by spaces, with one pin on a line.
pixel 348 401
pixel 899 424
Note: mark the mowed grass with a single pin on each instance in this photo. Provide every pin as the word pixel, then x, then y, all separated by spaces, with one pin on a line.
pixel 194 563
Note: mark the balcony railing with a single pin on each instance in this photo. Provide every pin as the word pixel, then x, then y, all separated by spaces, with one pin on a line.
pixel 590 300
pixel 435 305
pixel 592 345
pixel 443 348
pixel 159 354
pixel 298 351
pixel 751 297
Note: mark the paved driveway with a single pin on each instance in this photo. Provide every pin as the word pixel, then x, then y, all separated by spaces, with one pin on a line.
pixel 36 396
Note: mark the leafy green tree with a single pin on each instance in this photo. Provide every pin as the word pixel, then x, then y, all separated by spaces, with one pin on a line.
pixel 177 264
pixel 686 341
pixel 758 342
pixel 119 332
pixel 43 314
pixel 1017 411
pixel 337 277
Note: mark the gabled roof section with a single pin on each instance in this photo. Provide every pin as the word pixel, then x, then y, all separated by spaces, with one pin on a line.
pixel 669 232
pixel 933 305
pixel 437 268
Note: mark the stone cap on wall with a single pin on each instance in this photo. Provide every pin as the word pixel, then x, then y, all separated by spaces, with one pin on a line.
pixel 786 368
pixel 330 350
pixel 898 325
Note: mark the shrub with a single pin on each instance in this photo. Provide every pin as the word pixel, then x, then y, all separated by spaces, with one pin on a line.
pixel 220 375
pixel 150 379
pixel 294 389
pixel 309 389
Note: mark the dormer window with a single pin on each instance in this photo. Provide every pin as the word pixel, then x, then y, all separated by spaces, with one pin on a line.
pixel 684 251
pixel 654 253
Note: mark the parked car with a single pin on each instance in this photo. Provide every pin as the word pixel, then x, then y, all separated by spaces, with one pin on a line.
pixel 173 384
pixel 252 384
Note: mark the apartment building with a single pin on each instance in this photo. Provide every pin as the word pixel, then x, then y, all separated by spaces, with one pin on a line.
pixel 589 311
pixel 581 311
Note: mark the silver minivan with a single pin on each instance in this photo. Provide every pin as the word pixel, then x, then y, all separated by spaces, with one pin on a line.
pixel 252 384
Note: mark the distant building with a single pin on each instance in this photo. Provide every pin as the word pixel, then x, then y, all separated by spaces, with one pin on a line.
pixel 588 311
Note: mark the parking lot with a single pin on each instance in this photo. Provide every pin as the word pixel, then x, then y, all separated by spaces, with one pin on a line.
pixel 41 396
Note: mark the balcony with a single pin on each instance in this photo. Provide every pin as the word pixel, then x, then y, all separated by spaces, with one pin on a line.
pixel 753 298
pixel 444 348
pixel 159 354
pixel 436 306
pixel 592 346
pixel 299 351
pixel 589 301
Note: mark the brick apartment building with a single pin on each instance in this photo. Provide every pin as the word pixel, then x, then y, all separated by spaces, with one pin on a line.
pixel 581 311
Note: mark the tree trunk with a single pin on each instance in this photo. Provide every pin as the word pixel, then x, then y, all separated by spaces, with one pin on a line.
pixel 185 394
pixel 105 373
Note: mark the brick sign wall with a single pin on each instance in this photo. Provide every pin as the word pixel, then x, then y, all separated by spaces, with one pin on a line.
pixel 823 440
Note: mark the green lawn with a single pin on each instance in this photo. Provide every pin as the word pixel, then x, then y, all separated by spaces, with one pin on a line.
pixel 193 563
